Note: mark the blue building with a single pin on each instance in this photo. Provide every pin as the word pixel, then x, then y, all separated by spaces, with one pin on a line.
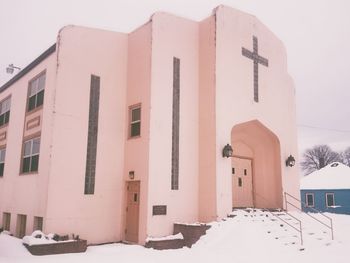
pixel 327 190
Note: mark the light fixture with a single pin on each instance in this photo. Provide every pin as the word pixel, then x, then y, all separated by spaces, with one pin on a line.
pixel 131 175
pixel 11 68
pixel 290 161
pixel 227 151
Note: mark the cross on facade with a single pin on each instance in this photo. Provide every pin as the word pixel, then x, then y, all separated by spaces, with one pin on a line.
pixel 256 60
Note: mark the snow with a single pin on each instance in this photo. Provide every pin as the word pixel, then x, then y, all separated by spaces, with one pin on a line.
pixel 332 176
pixel 171 237
pixel 249 237
pixel 38 238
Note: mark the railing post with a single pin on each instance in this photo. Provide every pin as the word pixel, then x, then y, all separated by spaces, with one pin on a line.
pixel 301 233
pixel 332 228
pixel 285 200
pixel 313 209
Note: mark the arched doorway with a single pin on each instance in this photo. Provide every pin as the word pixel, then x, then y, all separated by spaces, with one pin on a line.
pixel 256 167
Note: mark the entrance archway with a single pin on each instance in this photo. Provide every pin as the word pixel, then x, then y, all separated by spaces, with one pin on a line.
pixel 256 167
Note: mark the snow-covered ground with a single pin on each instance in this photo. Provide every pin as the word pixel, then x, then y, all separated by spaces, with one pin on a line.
pixel 251 236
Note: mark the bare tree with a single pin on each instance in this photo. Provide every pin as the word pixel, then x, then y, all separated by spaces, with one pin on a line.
pixel 318 157
pixel 345 156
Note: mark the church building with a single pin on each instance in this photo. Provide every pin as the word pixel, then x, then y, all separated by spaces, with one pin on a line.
pixel 117 136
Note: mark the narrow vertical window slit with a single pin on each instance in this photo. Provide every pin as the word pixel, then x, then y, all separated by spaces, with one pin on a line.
pixel 90 169
pixel 175 125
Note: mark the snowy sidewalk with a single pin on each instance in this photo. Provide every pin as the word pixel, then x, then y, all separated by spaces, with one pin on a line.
pixel 248 237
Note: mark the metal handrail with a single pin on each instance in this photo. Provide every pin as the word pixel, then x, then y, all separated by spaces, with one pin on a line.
pixel 313 209
pixel 300 230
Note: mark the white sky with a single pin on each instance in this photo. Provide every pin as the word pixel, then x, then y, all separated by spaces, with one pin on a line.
pixel 316 34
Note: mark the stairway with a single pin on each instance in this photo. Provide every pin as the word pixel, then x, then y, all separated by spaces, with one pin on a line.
pixel 289 228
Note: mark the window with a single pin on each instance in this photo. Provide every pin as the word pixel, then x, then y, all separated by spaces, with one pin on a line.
pixel 91 150
pixel 240 183
pixel 175 134
pixel 36 92
pixel 2 161
pixel 5 106
pixel 245 171
pixel 135 121
pixel 330 200
pixel 233 170
pixel 21 226
pixel 309 200
pixel 30 162
pixel 38 223
pixel 6 221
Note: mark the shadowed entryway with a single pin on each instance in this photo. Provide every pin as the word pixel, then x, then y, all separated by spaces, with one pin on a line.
pixel 256 167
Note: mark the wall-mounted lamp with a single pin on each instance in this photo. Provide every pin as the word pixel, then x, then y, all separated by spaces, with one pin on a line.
pixel 131 175
pixel 11 68
pixel 227 151
pixel 290 161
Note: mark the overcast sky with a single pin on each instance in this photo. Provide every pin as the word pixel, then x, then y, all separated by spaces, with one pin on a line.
pixel 316 34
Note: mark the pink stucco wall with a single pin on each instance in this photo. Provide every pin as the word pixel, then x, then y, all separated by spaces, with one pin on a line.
pixel 26 194
pixel 234 94
pixel 216 95
pixel 137 149
pixel 173 37
pixel 82 52
pixel 207 120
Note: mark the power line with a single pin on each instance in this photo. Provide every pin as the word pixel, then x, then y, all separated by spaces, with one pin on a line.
pixel 322 128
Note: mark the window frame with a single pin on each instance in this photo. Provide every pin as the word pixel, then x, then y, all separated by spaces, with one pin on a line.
pixel 307 201
pixel 6 221
pixel 2 162
pixel 4 114
pixel 31 138
pixel 21 225
pixel 38 223
pixel 29 96
pixel 326 196
pixel 131 122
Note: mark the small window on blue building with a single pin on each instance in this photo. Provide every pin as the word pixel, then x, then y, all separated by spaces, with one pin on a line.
pixel 310 200
pixel 330 200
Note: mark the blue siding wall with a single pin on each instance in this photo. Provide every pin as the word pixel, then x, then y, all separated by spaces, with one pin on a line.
pixel 341 199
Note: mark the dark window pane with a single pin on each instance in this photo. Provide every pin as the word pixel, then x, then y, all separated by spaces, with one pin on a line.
pixel 2 119
pixel 40 98
pixel 135 129
pixel 310 200
pixel 2 169
pixel 27 148
pixel 39 223
pixel 136 114
pixel 7 117
pixel 240 182
pixel 91 152
pixel 31 103
pixel 36 146
pixel 330 200
pixel 26 165
pixel 245 171
pixel 35 163
pixel 41 82
pixel 2 155
pixel 233 170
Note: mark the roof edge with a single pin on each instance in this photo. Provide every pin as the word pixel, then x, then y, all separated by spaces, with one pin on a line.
pixel 34 63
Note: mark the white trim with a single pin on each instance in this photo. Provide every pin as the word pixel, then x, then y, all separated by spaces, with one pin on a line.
pixel 313 200
pixel 326 196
